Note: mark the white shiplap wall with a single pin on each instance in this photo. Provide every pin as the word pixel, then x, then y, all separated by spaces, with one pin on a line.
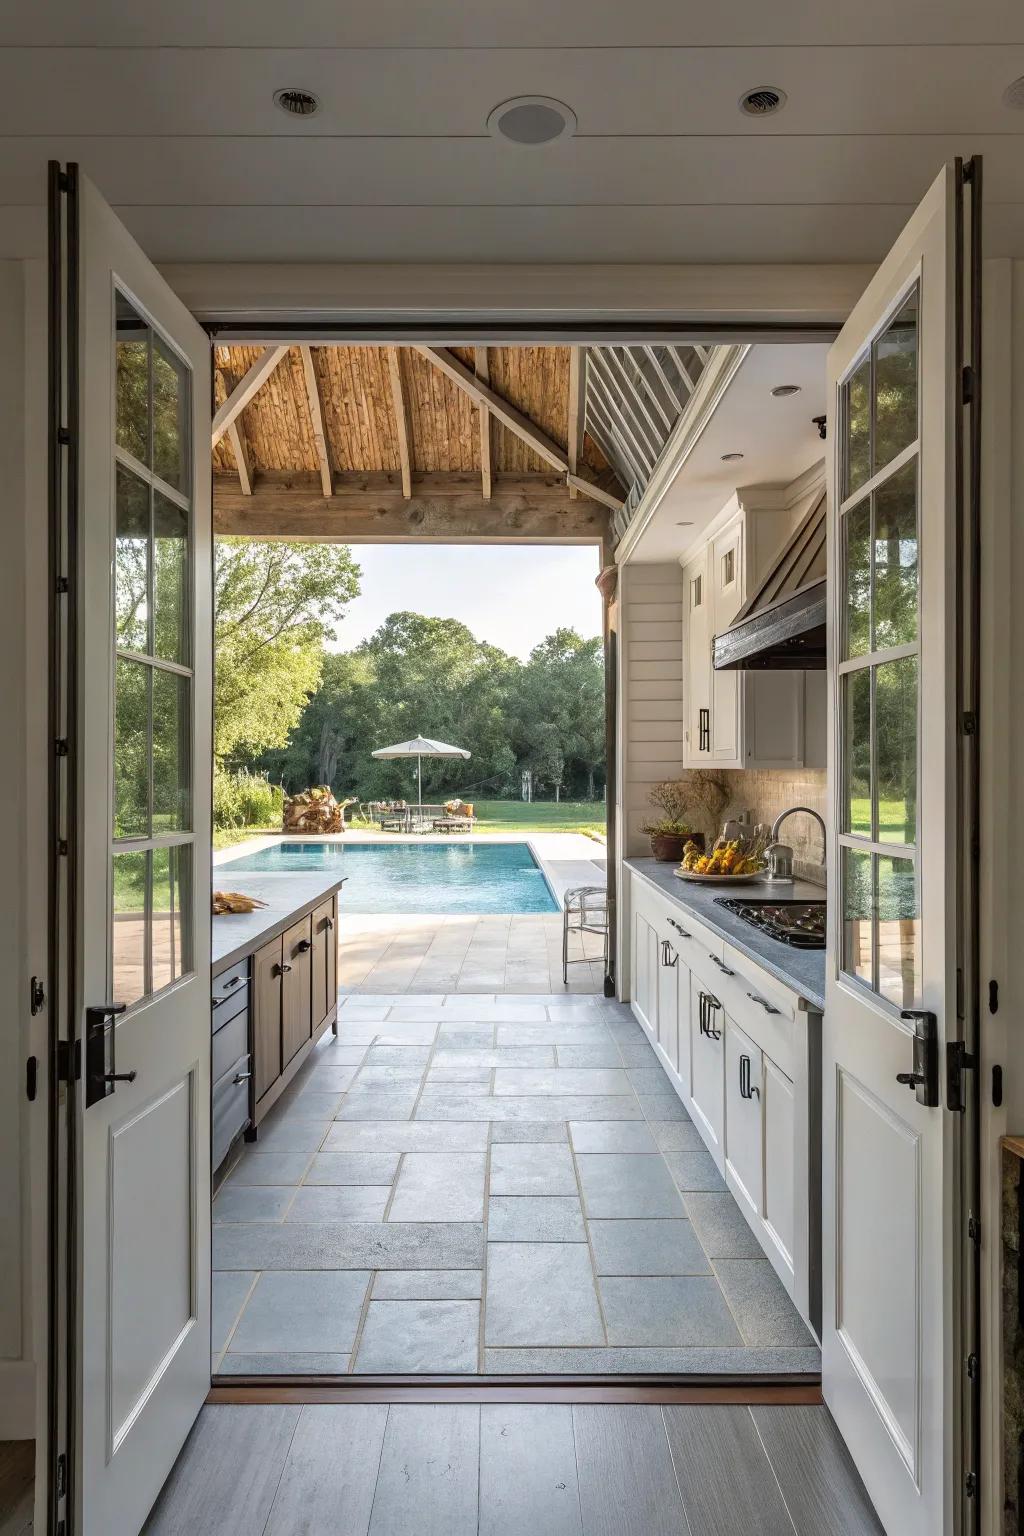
pixel 651 684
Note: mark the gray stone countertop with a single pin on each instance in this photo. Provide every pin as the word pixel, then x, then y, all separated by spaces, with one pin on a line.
pixel 289 896
pixel 802 970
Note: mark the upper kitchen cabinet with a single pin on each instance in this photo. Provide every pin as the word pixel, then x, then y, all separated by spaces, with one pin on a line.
pixel 741 719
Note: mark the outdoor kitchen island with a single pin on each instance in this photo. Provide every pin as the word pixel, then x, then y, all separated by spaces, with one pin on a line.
pixel 274 993
pixel 735 1018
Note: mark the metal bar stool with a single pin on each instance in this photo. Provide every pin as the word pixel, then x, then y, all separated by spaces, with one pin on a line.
pixel 585 911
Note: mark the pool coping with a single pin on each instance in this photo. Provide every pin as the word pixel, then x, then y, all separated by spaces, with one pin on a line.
pixel 556 883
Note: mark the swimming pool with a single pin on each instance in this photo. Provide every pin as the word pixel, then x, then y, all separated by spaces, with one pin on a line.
pixel 417 877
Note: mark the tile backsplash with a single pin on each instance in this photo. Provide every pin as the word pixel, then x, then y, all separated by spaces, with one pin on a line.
pixel 766 792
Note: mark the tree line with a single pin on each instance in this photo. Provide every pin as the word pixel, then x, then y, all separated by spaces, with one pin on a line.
pixel 305 714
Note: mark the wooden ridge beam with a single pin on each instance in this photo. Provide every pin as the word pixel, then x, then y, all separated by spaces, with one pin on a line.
pixel 249 384
pixel 443 507
pixel 482 393
pixel 316 414
pixel 403 425
pixel 483 373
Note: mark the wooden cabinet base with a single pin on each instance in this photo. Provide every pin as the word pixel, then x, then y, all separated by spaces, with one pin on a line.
pixel 276 1088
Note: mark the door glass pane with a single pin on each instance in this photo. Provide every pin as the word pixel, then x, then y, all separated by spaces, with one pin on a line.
pixel 896 385
pixel 895 548
pixel 131 749
pixel 170 416
pixel 171 729
pixel 858 427
pixel 131 562
pixel 856 896
pixel 132 411
pixel 899 936
pixel 172 888
pixel 857 751
pixel 129 936
pixel 896 750
pixel 857 532
pixel 170 563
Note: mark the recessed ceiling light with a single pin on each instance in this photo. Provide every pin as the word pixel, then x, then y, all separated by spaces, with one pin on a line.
pixel 782 390
pixel 296 102
pixel 684 525
pixel 1013 96
pixel 532 120
pixel 727 458
pixel 762 101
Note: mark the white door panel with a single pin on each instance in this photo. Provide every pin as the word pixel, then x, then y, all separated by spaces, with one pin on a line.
pixel 890 1212
pixel 144 685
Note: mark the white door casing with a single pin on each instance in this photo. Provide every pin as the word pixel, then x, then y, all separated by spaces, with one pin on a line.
pixel 144 653
pixel 889 1182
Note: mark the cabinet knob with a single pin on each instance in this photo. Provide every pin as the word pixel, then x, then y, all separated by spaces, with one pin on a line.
pixel 302 946
pixel 281 967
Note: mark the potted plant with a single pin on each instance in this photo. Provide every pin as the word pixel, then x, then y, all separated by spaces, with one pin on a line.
pixel 671 831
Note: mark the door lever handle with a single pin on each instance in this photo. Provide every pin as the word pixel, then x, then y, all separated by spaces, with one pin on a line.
pixel 924 1079
pixel 99 1078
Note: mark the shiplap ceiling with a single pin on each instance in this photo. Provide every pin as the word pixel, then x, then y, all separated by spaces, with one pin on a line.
pixel 168 107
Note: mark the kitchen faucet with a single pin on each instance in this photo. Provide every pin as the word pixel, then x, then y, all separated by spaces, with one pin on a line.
pixel 780 855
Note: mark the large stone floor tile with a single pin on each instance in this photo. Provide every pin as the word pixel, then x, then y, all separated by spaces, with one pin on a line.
pixel 760 1303
pixel 676 1135
pixel 440 1186
pixel 700 1360
pixel 230 1291
pixel 291 1132
pixel 528 1131
pixel 630 1136
pixel 529 1169
pixel 414 1336
pixel 579 1107
pixel 554 1032
pixel 666 1310
pixel 391 1136
pixel 664 1246
pixel 557 1082
pixel 329 1204
pixel 257 1167
pixel 601 1055
pixel 353 1168
pixel 721 1228
pixel 695 1172
pixel 349 1245
pixel 240 1202
pixel 302 1310
pixel 488 1056
pixel 429 1285
pixel 626 1184
pixel 535 1219
pixel 284 1363
pixel 374 1105
pixel 541 1293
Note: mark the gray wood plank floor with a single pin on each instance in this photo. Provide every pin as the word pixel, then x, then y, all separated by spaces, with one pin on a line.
pixel 539 1469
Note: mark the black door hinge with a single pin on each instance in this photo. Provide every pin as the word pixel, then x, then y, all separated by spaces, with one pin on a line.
pixel 60 746
pixel 993 997
pixel 969 722
pixel 69 1062
pixel 967 395
pixel 31 1079
pixel 973 1228
pixel 997 1086
pixel 973 1365
pixel 62 1475
pixel 36 996
pixel 958 1061
pixel 971 1484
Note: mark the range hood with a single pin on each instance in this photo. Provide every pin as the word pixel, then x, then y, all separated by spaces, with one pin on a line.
pixel 781 628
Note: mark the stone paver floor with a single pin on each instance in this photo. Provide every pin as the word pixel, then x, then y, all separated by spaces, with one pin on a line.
pixel 489 1184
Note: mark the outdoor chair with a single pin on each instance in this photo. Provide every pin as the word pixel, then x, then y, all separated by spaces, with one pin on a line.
pixel 585 911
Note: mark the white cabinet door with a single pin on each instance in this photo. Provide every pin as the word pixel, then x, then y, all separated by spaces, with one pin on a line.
pixel 726 687
pixel 668 999
pixel 774 730
pixel 778 1110
pixel 707 1019
pixel 645 973
pixel 743 1090
pixel 697 627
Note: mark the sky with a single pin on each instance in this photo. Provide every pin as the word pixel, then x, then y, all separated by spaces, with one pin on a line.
pixel 510 595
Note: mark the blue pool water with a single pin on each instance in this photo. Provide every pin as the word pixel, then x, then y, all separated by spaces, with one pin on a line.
pixel 418 877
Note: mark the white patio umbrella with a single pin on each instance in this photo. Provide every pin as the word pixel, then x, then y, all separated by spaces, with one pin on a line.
pixel 419 748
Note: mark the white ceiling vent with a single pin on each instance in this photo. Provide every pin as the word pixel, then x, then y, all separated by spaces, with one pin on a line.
pixel 762 101
pixel 532 120
pixel 295 102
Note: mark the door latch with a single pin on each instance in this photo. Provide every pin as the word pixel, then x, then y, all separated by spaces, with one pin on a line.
pixel 101 1043
pixel 924 1079
pixel 958 1061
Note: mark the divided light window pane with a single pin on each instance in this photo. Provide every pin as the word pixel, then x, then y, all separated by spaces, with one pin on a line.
pixel 896 750
pixel 132 414
pixel 172 896
pixel 131 562
pixel 857 911
pixel 899 933
pixel 858 428
pixel 131 748
pixel 896 386
pixel 857 532
pixel 171 768
pixel 129 937
pixel 857 752
pixel 170 417
pixel 895 559
pixel 170 569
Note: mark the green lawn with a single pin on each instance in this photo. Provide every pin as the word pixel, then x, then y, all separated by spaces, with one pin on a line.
pixel 227 837
pixel 541 816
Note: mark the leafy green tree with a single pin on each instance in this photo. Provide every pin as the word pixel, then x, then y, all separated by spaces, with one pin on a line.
pixel 560 712
pixel 275 606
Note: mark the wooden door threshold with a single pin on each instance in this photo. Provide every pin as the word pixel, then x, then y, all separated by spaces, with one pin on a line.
pixel 796 1390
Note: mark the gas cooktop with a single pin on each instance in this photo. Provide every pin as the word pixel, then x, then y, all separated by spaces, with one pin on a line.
pixel 799 923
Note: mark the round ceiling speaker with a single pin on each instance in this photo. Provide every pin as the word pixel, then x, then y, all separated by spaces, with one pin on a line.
pixel 295 102
pixel 762 101
pixel 532 120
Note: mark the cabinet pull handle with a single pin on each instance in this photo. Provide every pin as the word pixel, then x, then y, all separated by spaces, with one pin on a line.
pixel 329 922
pixel 763 1001
pixel 281 967
pixel 708 1005
pixel 232 983
pixel 669 958
pixel 722 966
pixel 682 932
pixel 241 1077
pixel 747 1089
pixel 302 946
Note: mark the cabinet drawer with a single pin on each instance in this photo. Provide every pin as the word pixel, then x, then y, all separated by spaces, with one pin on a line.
pixel 230 1108
pixel 230 1043
pixel 744 1092
pixel 229 981
pixel 762 1008
pixel 229 1007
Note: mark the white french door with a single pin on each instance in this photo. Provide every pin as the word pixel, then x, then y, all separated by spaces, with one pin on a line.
pixel 891 1146
pixel 142 912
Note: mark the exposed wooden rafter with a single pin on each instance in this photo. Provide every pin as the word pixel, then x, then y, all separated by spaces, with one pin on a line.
pixel 252 381
pixel 483 373
pixel 577 414
pixel 241 454
pixel 403 429
pixel 516 422
pixel 316 415
pixel 595 492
